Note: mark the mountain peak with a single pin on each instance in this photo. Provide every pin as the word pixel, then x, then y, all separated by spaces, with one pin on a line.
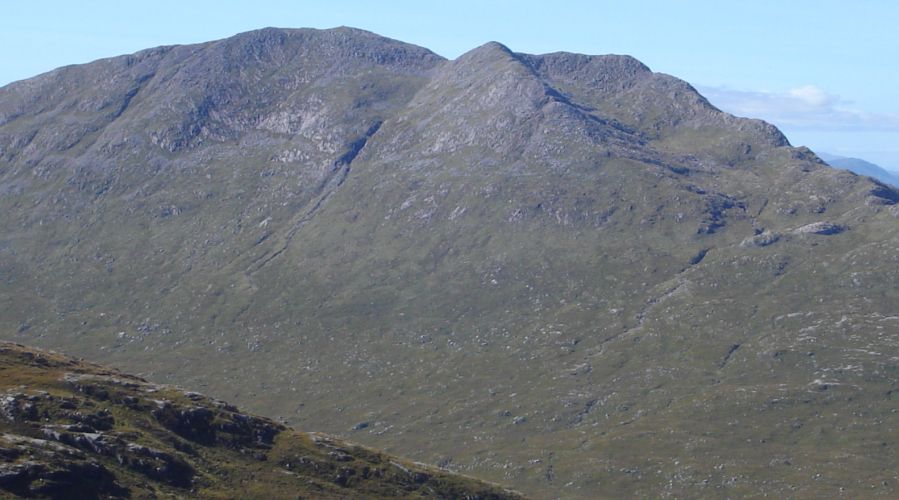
pixel 578 66
pixel 492 46
pixel 339 45
pixel 552 270
pixel 483 54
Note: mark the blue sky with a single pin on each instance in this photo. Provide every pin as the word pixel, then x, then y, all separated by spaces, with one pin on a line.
pixel 825 72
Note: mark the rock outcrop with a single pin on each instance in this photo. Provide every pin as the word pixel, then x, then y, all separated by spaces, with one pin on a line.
pixel 69 429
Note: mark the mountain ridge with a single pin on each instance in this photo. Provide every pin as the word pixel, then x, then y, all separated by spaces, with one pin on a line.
pixel 555 271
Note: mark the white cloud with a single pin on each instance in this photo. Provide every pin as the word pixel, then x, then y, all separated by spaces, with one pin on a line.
pixel 813 96
pixel 807 107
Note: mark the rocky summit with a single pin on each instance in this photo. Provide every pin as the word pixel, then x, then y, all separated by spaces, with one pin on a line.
pixel 563 273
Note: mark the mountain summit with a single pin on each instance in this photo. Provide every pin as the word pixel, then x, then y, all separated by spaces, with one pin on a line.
pixel 561 272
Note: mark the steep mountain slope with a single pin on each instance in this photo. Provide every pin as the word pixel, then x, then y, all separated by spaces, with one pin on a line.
pixel 562 272
pixel 73 429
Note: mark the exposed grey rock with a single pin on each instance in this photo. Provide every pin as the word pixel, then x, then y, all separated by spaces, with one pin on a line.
pixel 823 228
pixel 762 239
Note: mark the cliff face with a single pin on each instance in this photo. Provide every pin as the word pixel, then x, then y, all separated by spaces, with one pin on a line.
pixel 558 271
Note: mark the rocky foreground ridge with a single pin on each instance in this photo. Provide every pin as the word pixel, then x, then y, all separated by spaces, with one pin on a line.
pixel 71 429
pixel 564 273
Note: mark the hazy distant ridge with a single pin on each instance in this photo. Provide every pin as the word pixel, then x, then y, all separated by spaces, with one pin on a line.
pixel 862 167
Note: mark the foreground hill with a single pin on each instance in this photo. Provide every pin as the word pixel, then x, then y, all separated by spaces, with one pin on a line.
pixel 71 429
pixel 561 272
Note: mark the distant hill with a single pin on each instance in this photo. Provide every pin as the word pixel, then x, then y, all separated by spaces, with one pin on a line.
pixel 862 167
pixel 72 429
pixel 564 273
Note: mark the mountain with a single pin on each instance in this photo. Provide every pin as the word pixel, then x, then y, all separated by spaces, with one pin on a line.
pixel 560 272
pixel 862 167
pixel 75 429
